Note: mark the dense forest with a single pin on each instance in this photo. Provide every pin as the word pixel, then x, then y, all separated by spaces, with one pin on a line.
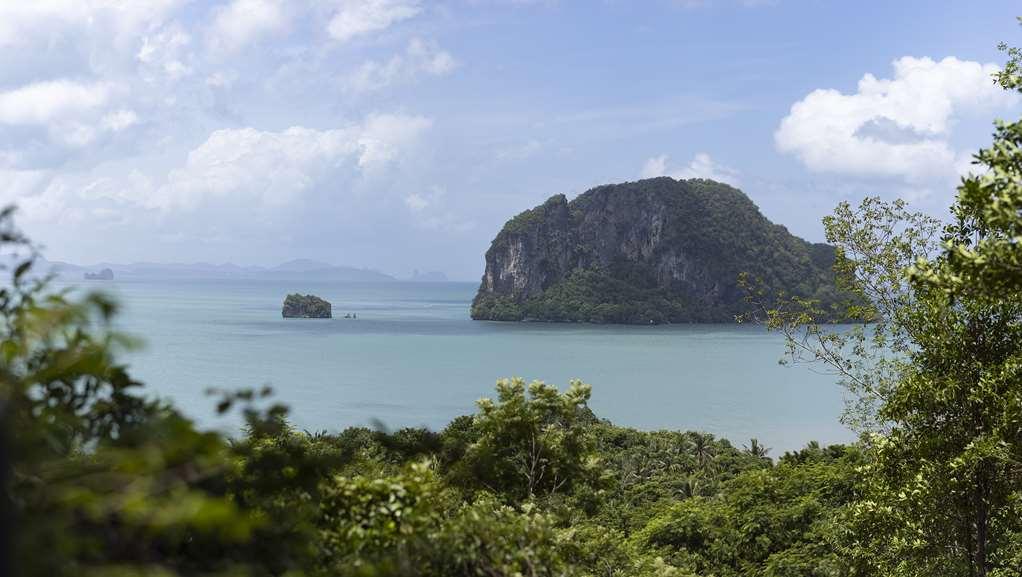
pixel 102 480
pixel 655 251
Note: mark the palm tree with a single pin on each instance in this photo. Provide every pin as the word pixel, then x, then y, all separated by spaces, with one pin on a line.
pixel 703 449
pixel 755 449
pixel 690 486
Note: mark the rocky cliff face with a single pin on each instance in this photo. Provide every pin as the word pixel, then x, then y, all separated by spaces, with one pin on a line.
pixel 657 250
pixel 298 306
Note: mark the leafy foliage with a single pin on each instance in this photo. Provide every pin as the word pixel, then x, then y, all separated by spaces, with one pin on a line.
pixel 940 368
pixel 531 445
pixel 772 521
pixel 103 481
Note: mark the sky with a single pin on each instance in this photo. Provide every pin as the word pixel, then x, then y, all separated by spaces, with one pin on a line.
pixel 402 134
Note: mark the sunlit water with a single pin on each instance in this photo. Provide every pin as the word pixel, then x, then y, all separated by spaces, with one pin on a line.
pixel 413 357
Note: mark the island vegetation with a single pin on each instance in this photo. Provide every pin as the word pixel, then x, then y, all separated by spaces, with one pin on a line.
pixel 654 251
pixel 299 306
pixel 103 480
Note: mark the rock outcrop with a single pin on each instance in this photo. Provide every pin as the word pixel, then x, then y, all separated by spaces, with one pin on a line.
pixel 297 306
pixel 656 250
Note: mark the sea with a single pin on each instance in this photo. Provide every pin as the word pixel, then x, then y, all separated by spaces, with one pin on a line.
pixel 413 357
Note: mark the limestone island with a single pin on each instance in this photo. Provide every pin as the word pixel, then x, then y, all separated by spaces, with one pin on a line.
pixel 654 251
pixel 297 306
pixel 105 274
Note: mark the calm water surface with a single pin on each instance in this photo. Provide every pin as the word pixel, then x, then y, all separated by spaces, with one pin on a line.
pixel 413 357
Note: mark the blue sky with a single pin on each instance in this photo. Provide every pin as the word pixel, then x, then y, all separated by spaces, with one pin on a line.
pixel 401 134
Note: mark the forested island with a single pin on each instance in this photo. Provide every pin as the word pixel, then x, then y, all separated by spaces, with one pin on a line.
pixel 299 306
pixel 648 252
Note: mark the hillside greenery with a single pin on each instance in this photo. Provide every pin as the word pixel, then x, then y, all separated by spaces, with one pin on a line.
pixel 102 481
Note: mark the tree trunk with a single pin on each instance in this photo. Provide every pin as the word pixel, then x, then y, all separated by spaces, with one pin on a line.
pixel 982 523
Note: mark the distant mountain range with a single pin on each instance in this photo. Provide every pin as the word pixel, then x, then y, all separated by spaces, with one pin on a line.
pixel 305 269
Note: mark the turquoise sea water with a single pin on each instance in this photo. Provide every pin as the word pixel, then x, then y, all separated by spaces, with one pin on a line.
pixel 413 357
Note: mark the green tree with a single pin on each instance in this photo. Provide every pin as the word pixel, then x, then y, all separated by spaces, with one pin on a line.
pixel 938 364
pixel 757 449
pixel 97 478
pixel 876 243
pixel 533 443
pixel 772 522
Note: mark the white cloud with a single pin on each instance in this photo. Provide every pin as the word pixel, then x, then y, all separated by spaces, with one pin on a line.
pixel 44 102
pixel 273 168
pixel 383 136
pixel 263 167
pixel 34 193
pixel 24 21
pixel 244 21
pixel 654 167
pixel 898 127
pixel 358 17
pixel 134 187
pixel 418 59
pixel 72 114
pixel 241 171
pixel 120 120
pixel 75 134
pixel 20 183
pixel 430 59
pixel 701 166
pixel 164 54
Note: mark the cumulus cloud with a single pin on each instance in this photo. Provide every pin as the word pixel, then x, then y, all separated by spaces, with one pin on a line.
pixel 23 22
pixel 140 59
pixel 359 17
pixel 243 21
pixel 72 114
pixel 383 136
pixel 44 102
pixel 898 127
pixel 72 70
pixel 245 170
pixel 120 120
pixel 419 58
pixel 126 120
pixel 20 183
pixel 164 54
pixel 268 168
pixel 701 166
pixel 272 168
